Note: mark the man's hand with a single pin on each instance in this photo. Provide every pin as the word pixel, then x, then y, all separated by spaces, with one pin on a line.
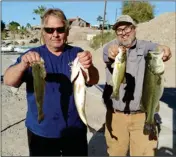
pixel 29 58
pixel 113 51
pixel 167 52
pixel 85 58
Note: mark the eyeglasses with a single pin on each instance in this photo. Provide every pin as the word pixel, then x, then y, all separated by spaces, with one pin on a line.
pixel 127 29
pixel 52 30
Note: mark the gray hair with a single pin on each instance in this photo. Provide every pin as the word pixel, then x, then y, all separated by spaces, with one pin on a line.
pixel 57 13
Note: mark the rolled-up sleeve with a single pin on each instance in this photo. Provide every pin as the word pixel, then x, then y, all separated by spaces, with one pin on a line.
pixel 105 54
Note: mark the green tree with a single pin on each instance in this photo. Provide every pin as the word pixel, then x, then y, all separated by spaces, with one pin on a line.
pixel 140 11
pixel 40 11
pixel 2 25
pixel 23 30
pixel 28 25
pixel 13 27
pixel 99 19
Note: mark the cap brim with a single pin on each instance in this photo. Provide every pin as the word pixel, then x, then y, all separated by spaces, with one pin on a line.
pixel 121 23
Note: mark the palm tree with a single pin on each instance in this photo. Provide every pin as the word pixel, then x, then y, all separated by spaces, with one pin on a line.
pixel 28 25
pixel 40 11
pixel 23 31
pixel 2 25
pixel 13 27
pixel 99 19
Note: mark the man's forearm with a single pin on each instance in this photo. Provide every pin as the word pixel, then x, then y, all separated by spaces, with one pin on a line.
pixel 13 75
pixel 94 75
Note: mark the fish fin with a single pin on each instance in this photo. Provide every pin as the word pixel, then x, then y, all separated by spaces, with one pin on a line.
pixel 110 82
pixel 158 107
pixel 124 80
pixel 85 73
pixel 42 60
pixel 112 65
pixel 75 68
pixel 159 80
pixel 92 130
pixel 40 117
pixel 142 108
pixel 114 96
pixel 74 76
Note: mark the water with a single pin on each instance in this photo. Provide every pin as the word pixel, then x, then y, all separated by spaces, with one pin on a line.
pixel 27 47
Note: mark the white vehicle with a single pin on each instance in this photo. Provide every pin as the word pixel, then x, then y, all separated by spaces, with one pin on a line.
pixel 7 48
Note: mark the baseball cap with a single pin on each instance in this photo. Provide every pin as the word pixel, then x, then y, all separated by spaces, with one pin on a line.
pixel 124 18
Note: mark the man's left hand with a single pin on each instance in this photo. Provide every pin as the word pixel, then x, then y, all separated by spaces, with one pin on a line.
pixel 167 53
pixel 85 58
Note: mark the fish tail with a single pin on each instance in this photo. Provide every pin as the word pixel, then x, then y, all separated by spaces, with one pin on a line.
pixel 115 96
pixel 40 117
pixel 149 124
pixel 150 129
pixel 147 129
pixel 83 119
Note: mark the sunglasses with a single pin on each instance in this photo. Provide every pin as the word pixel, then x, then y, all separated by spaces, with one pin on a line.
pixel 52 30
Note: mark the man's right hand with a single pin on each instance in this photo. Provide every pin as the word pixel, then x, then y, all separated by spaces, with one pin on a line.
pixel 113 51
pixel 29 58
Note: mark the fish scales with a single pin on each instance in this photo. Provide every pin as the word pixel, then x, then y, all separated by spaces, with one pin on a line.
pixel 39 74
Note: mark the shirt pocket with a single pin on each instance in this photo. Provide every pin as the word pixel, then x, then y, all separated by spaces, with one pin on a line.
pixel 134 61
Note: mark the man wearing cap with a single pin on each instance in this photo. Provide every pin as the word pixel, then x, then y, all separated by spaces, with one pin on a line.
pixel 124 119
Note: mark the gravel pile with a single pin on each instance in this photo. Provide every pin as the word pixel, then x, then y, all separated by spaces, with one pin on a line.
pixel 160 29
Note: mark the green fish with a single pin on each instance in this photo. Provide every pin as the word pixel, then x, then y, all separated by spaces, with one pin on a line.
pixel 153 87
pixel 118 75
pixel 39 74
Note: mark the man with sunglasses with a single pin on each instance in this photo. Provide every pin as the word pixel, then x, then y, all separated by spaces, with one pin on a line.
pixel 61 133
pixel 124 119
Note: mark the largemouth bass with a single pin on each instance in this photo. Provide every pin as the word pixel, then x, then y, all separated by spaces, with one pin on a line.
pixel 118 74
pixel 153 87
pixel 79 89
pixel 39 74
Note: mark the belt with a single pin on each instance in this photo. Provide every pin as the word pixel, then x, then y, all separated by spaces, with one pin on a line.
pixel 128 112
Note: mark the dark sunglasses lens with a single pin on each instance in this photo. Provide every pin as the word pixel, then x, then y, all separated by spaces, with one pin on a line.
pixel 49 30
pixel 60 29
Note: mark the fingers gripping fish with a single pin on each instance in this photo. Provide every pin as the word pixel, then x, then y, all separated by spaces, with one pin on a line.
pixel 39 74
pixel 79 90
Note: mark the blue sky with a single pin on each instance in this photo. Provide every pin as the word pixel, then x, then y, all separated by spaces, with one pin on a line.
pixel 22 11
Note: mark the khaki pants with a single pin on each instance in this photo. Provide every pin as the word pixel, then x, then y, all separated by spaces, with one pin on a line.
pixel 128 129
